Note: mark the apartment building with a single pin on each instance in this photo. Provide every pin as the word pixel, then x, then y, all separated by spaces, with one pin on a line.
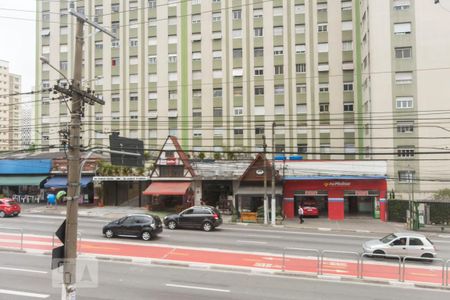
pixel 405 70
pixel 216 74
pixel 334 76
pixel 10 84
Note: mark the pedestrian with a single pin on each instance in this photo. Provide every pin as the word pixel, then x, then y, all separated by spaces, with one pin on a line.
pixel 51 199
pixel 300 214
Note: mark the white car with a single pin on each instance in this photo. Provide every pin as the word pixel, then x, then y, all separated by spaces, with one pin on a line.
pixel 402 244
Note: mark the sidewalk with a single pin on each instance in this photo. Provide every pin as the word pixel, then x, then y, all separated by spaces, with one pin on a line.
pixel 350 224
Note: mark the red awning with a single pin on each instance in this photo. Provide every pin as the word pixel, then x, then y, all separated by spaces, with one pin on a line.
pixel 167 188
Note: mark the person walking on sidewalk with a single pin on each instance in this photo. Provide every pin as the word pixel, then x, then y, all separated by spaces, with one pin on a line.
pixel 300 214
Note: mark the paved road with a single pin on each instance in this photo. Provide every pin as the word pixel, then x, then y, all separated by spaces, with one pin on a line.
pixel 227 237
pixel 25 276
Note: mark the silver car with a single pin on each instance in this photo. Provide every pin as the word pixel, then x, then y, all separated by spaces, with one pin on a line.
pixel 401 244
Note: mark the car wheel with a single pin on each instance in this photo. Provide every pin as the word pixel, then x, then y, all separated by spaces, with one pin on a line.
pixel 109 233
pixel 207 226
pixel 172 225
pixel 379 253
pixel 146 236
pixel 2 214
pixel 429 257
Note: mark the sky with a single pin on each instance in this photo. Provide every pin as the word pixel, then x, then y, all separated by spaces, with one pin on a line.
pixel 17 39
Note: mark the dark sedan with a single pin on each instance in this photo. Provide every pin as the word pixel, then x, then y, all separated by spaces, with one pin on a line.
pixel 202 217
pixel 139 225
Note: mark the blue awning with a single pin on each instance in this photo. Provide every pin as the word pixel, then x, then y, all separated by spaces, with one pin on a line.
pixel 60 182
pixel 25 166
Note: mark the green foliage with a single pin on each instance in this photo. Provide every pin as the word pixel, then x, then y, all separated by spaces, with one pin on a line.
pixel 260 212
pixel 397 210
pixel 230 156
pixel 201 155
pixel 217 156
pixel 440 213
pixel 443 194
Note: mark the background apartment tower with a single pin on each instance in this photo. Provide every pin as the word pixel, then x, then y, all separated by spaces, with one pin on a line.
pixel 405 73
pixel 216 74
pixel 10 84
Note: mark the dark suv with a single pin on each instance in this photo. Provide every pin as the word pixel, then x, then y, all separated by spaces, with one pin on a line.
pixel 204 217
pixel 139 225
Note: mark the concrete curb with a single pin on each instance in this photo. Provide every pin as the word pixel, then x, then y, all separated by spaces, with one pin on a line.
pixel 246 270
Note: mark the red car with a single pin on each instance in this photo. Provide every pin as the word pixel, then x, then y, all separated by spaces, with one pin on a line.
pixel 310 209
pixel 9 207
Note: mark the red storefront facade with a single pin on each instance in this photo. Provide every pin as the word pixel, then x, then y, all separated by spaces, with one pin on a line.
pixel 337 195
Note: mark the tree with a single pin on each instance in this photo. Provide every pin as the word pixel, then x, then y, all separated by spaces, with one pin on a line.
pixel 201 155
pixel 443 194
pixel 217 156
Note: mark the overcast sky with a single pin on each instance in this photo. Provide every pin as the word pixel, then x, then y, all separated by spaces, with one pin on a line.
pixel 17 39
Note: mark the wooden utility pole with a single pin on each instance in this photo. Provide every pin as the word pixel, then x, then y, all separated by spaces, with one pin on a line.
pixel 266 201
pixel 274 200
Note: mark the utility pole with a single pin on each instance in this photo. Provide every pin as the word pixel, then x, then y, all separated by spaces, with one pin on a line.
pixel 74 170
pixel 266 201
pixel 274 200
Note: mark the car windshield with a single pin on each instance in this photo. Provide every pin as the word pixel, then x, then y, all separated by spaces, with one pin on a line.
pixel 11 202
pixel 388 238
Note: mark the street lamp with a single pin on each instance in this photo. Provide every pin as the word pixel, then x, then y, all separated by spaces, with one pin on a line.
pixel 46 61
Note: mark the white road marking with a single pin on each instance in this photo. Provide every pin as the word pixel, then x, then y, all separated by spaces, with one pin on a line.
pixel 24 294
pixel 81 218
pixel 251 242
pixel 324 229
pixel 22 270
pixel 444 235
pixel 197 288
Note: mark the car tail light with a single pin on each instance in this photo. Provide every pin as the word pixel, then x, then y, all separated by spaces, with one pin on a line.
pixel 216 216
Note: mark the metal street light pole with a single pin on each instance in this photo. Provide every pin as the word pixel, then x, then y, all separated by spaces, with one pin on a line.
pixel 266 201
pixel 274 200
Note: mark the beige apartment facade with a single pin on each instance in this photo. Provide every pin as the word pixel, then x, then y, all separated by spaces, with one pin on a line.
pixel 217 74
pixel 10 130
pixel 405 71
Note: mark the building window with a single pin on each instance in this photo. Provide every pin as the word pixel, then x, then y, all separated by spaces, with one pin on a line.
pixel 134 96
pixel 237 14
pixel 401 4
pixel 405 126
pixel 403 77
pixel 279 89
pixel 323 27
pixel 348 86
pixel 151 3
pixel 346 5
pixel 258 31
pixel 133 78
pixel 238 111
pixel 300 49
pixel 115 80
pixel 63 65
pixel 172 58
pixel 278 30
pixel 278 50
pixel 237 53
pixel 197 55
pixel 217 112
pixel 323 107
pixel 302 148
pixel 278 11
pixel 322 47
pixel 152 77
pixel 405 151
pixel 347 46
pixel 258 51
pixel 171 21
pixel 196 112
pixel 133 42
pixel 323 87
pixel 238 131
pixel 216 17
pixel 217 54
pixel 238 72
pixel 348 106
pixel 237 33
pixel 279 109
pixel 237 91
pixel 197 93
pixel 259 111
pixel 347 25
pixel 217 74
pixel 322 7
pixel 258 13
pixel 299 9
pixel 403 52
pixel 152 96
pixel 217 92
pixel 404 102
pixel 279 69
pixel 152 59
pixel 301 109
pixel 115 44
pixel 300 29
pixel 98 45
pixel 300 68
pixel 115 98
pixel 402 28
pixel 259 90
pixel 196 18
pixel 173 76
pixel 301 88
pixel 406 176
pixel 172 94
pixel 134 60
pixel 259 71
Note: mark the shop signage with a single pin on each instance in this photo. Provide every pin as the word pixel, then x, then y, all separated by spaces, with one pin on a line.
pixel 121 178
pixel 311 193
pixel 362 193
pixel 336 183
pixel 259 172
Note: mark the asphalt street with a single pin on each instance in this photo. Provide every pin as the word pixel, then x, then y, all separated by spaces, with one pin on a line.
pixel 226 237
pixel 26 276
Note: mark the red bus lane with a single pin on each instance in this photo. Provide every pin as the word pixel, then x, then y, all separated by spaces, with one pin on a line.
pixel 387 270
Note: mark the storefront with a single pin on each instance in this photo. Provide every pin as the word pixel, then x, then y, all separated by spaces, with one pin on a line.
pixel 59 183
pixel 337 196
pixel 175 195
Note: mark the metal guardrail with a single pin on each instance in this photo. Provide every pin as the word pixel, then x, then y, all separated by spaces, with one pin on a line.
pixel 447 263
pixel 351 253
pixel 302 250
pixel 370 255
pixel 21 234
pixel 426 259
